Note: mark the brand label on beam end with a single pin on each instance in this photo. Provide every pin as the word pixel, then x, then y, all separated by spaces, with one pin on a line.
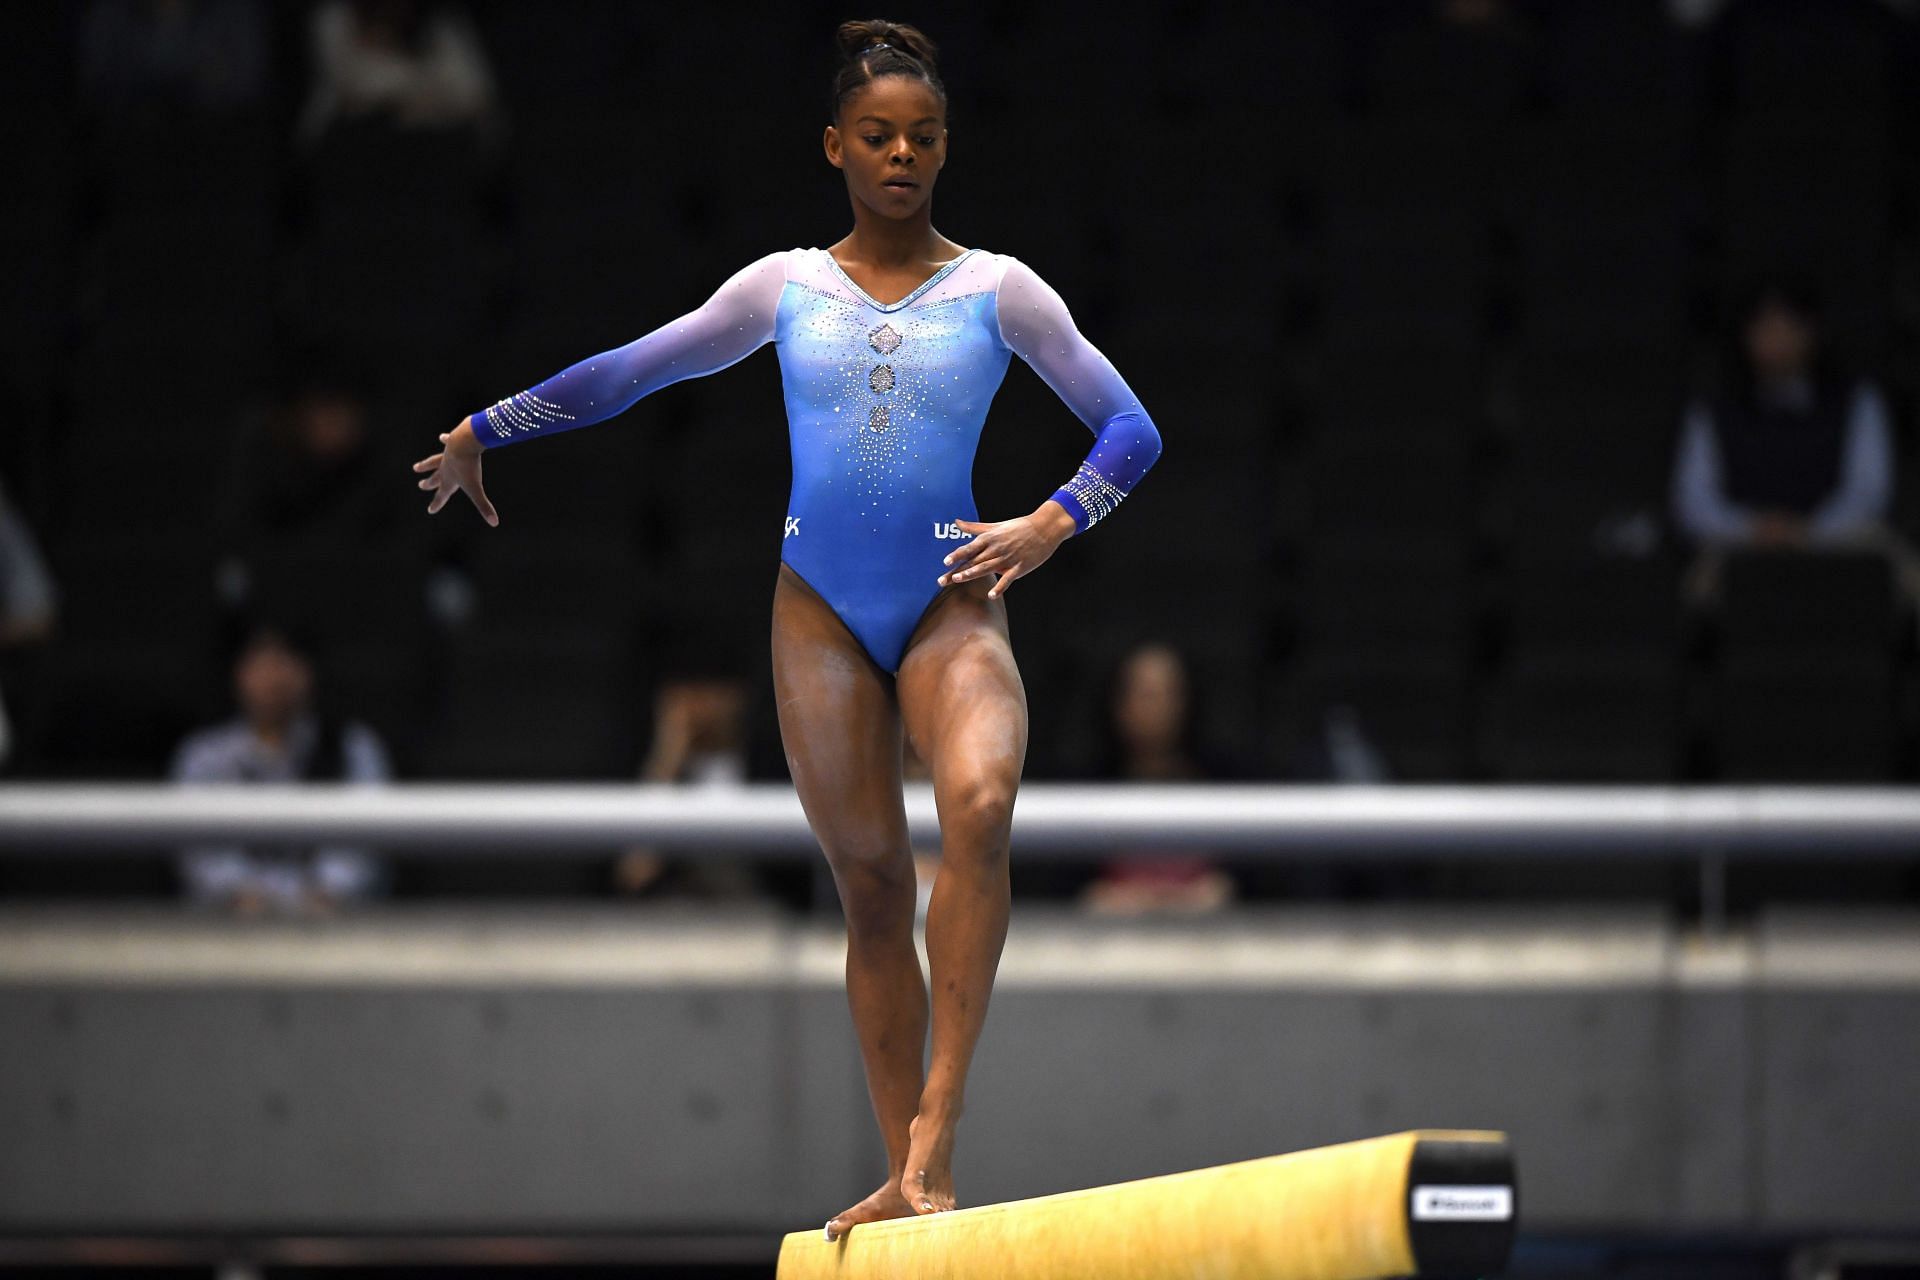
pixel 1464 1204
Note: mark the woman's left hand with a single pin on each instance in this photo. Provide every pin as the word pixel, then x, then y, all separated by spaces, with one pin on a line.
pixel 1009 548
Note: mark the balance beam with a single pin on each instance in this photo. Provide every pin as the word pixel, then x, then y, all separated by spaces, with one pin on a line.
pixel 1426 1202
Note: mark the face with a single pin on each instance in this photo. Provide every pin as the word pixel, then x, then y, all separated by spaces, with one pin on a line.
pixel 890 141
pixel 1152 702
pixel 272 682
pixel 1779 341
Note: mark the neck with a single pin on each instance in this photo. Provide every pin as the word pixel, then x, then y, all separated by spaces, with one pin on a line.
pixel 273 730
pixel 894 242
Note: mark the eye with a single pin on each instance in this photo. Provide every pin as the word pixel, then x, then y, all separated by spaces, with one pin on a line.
pixel 873 139
pixel 926 142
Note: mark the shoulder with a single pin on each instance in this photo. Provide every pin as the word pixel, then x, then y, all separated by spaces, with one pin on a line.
pixel 758 283
pixel 776 263
pixel 209 751
pixel 1001 265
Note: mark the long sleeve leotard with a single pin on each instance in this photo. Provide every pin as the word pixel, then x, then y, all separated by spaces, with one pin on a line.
pixel 885 403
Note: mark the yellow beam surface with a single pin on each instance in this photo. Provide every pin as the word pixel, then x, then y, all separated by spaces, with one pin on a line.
pixel 1331 1213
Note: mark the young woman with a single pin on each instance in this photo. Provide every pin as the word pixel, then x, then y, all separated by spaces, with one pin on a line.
pixel 887 609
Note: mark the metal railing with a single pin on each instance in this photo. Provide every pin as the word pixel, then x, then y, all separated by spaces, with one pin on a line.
pixel 1062 820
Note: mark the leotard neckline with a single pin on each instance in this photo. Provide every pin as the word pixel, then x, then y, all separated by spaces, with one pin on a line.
pixel 919 289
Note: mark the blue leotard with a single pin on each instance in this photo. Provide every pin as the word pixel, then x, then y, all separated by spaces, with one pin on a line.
pixel 885 402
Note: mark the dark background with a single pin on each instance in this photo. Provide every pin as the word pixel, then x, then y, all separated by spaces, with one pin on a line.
pixel 1415 303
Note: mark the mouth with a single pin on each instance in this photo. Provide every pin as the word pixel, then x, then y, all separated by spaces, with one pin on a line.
pixel 900 184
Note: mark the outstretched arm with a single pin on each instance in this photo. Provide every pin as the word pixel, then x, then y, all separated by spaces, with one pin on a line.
pixel 1036 325
pixel 735 322
pixel 732 324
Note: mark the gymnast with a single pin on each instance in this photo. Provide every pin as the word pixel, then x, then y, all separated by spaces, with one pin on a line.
pixel 888 609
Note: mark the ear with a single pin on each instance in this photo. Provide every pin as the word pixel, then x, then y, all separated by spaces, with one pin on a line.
pixel 830 141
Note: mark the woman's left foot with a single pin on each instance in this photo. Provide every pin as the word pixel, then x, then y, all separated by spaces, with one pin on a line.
pixel 927 1182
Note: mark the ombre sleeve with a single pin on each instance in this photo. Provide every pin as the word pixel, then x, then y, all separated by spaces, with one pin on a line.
pixel 729 326
pixel 1036 326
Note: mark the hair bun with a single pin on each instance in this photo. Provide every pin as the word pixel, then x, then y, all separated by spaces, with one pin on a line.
pixel 859 38
pixel 876 47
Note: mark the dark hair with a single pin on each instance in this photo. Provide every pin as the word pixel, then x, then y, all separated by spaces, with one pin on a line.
pixel 1109 752
pixel 1798 295
pixel 908 53
pixel 279 629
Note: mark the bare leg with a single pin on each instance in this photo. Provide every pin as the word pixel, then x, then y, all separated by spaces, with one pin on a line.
pixel 966 711
pixel 840 725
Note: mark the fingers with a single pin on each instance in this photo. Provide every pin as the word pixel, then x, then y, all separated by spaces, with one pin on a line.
pixel 991 564
pixel 1007 576
pixel 432 460
pixel 479 496
pixel 963 553
pixel 440 498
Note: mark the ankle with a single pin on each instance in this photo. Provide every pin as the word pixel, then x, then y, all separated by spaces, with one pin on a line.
pixel 942 1109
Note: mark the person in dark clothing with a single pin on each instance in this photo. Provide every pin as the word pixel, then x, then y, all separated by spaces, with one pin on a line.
pixel 1788 450
pixel 281 733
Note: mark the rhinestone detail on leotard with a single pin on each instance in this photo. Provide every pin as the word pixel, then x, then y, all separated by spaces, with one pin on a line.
pixel 524 411
pixel 1095 492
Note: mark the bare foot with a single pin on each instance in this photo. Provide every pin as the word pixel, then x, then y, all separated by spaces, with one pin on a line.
pixel 927 1183
pixel 885 1203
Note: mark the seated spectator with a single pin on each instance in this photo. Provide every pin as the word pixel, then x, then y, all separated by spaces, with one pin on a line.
pixel 138 55
pixel 699 740
pixel 1151 734
pixel 420 64
pixel 26 602
pixel 1788 451
pixel 280 735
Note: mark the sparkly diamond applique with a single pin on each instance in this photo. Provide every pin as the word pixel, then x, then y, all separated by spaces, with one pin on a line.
pixel 884 339
pixel 881 379
pixel 877 419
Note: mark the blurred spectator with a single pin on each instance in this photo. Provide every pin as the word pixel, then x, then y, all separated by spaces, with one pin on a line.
pixel 1788 451
pixel 203 54
pixel 26 601
pixel 281 734
pixel 421 64
pixel 307 477
pixel 1151 734
pixel 699 740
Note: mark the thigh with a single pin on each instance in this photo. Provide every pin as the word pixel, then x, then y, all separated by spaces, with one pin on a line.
pixel 961 698
pixel 839 725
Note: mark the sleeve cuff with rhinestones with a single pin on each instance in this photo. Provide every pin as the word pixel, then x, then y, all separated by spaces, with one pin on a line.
pixel 1071 505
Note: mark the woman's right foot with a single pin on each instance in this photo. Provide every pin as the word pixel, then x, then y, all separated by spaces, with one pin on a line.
pixel 885 1203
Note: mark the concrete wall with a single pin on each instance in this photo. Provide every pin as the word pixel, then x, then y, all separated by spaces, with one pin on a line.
pixel 620 1069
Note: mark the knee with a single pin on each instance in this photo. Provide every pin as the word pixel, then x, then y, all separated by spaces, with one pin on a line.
pixel 980 808
pixel 877 889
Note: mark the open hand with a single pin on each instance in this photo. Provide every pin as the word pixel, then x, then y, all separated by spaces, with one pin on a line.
pixel 455 468
pixel 1009 548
